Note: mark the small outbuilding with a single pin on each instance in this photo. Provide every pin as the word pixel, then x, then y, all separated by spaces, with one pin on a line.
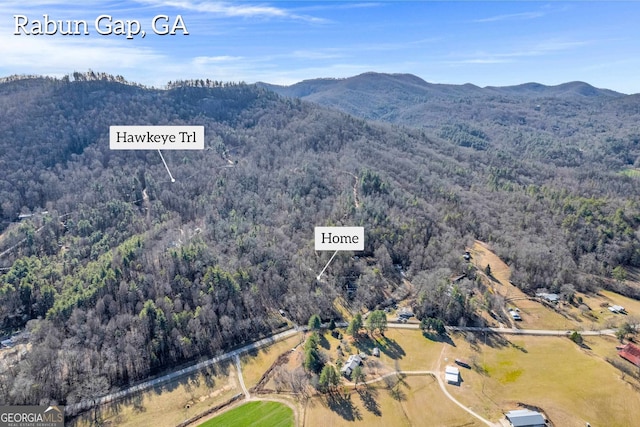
pixel 452 375
pixel 405 313
pixel 525 418
pixel 463 363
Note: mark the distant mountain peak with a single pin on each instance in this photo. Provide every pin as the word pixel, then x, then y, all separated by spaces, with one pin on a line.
pixel 574 88
pixel 372 82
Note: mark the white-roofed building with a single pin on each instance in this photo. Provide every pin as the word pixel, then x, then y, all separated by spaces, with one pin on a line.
pixel 351 363
pixel 452 375
pixel 525 418
pixel 616 309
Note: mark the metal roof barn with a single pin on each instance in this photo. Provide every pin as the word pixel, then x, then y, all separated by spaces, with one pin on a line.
pixel 525 418
pixel 452 374
pixel 631 353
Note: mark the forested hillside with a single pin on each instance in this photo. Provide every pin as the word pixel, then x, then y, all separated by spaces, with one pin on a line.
pixel 573 148
pixel 571 124
pixel 117 272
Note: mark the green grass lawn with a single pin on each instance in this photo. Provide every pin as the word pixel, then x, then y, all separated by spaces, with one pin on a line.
pixel 261 414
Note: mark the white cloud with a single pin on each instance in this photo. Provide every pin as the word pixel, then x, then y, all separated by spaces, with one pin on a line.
pixel 479 61
pixel 203 60
pixel 228 9
pixel 511 17
pixel 547 47
pixel 349 50
pixel 340 6
pixel 318 54
pixel 56 56
pixel 559 45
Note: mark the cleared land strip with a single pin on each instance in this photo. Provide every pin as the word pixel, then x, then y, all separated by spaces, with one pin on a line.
pixel 88 404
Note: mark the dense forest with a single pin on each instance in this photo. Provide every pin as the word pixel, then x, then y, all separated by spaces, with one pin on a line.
pixel 117 273
pixel 573 148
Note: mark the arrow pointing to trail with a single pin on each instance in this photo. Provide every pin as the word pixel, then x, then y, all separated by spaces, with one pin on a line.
pixel 166 167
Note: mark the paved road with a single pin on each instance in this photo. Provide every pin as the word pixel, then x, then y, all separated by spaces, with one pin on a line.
pixel 511 331
pixel 88 404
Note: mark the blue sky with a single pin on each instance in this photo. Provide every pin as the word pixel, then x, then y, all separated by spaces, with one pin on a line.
pixel 485 43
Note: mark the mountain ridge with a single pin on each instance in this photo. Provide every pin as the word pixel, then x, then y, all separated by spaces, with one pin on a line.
pixel 310 86
pixel 524 120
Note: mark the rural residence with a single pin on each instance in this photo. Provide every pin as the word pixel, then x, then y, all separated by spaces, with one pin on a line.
pixel 351 363
pixel 552 298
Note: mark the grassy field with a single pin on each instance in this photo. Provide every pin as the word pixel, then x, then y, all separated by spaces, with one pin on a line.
pixel 410 350
pixel 537 316
pixel 416 400
pixel 172 403
pixel 598 316
pixel 256 363
pixel 251 414
pixel 632 306
pixel 572 385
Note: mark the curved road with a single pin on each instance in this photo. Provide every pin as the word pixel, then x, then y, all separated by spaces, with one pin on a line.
pixel 442 387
